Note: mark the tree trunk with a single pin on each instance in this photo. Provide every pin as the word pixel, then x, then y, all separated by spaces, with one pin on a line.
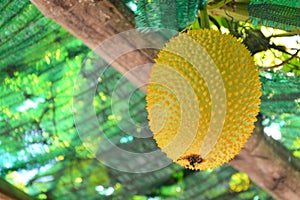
pixel 5 197
pixel 9 192
pixel 267 162
pixel 270 165
pixel 93 22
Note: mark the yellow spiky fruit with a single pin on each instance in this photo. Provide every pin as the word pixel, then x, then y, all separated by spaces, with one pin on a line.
pixel 202 99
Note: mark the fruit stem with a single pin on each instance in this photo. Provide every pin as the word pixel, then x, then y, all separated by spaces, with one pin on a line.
pixel 204 20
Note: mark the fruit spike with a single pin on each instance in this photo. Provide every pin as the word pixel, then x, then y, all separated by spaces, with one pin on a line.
pixel 275 13
pixel 191 120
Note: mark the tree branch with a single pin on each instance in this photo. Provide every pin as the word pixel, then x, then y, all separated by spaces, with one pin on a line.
pixel 93 22
pixel 282 97
pixel 282 63
pixel 9 192
pixel 270 165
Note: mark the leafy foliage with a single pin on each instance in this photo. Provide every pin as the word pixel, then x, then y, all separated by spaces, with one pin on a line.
pixel 280 105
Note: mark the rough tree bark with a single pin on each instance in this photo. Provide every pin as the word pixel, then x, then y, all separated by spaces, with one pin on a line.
pixel 267 162
pixel 270 165
pixel 93 21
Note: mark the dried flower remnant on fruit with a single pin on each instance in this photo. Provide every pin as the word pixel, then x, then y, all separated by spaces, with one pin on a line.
pixel 192 159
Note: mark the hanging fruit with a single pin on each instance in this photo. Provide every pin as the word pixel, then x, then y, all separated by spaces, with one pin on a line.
pixel 202 99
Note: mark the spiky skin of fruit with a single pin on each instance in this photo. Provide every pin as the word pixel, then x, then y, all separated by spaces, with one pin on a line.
pixel 181 95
